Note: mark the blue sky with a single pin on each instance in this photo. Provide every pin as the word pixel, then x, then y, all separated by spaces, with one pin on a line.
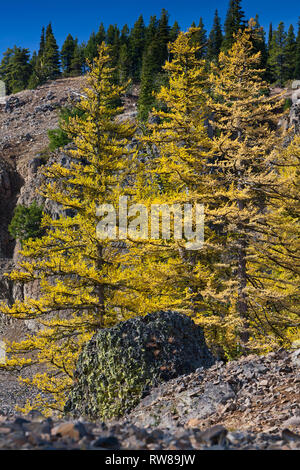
pixel 21 21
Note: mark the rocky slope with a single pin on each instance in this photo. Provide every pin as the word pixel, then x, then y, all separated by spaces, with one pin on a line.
pixel 256 393
pixel 249 404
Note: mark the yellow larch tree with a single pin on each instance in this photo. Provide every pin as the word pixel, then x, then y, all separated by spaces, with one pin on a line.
pixel 280 253
pixel 229 286
pixel 246 145
pixel 174 174
pixel 82 283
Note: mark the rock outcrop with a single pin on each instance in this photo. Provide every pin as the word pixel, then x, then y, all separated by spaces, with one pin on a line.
pixel 120 364
pixel 10 183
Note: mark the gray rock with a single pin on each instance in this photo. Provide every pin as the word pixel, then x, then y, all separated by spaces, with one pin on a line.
pixel 120 364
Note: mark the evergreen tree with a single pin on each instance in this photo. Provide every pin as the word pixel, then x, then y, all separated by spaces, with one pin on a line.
pixel 270 36
pixel 77 61
pixel 258 40
pixel 233 23
pixel 91 48
pixel 4 68
pixel 290 54
pixel 136 48
pixel 81 276
pixel 276 60
pixel 124 37
pixel 162 39
pixel 34 60
pixel 146 98
pixel 297 54
pixel 100 36
pixel 51 55
pixel 67 54
pixel 215 39
pixel 174 31
pixel 20 70
pixel 113 40
pixel 199 37
pixel 42 43
pixel 123 64
pixel 26 222
pixel 151 31
pixel 154 57
pixel 38 75
pixel 15 69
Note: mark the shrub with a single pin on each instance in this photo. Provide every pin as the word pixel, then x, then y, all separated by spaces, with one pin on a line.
pixel 26 222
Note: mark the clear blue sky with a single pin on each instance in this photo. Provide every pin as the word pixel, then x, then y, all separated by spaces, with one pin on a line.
pixel 21 21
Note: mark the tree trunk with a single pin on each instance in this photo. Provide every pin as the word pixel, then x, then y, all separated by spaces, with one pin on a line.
pixel 242 304
pixel 99 291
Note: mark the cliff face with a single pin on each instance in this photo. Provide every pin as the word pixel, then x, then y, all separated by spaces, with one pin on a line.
pixel 10 183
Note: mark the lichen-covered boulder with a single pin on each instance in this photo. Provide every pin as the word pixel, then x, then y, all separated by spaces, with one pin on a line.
pixel 120 364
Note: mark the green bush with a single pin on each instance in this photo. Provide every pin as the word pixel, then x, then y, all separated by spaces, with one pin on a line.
pixel 287 104
pixel 26 222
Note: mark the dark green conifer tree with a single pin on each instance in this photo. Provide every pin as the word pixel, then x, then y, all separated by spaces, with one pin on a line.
pixel 42 43
pixel 297 54
pixel 91 48
pixel 290 54
pixel 136 48
pixel 77 62
pixel 276 57
pixel 38 75
pixel 123 64
pixel 124 36
pixel 67 54
pixel 270 36
pixel 15 69
pixel 258 40
pixel 215 39
pixel 100 36
pixel 200 39
pixel 162 38
pixel 235 20
pixel 4 68
pixel 146 98
pixel 174 31
pixel 151 31
pixel 51 55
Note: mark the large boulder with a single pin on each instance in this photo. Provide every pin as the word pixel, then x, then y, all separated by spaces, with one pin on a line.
pixel 121 364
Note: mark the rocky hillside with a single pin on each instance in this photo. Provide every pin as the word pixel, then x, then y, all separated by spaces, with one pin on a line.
pixel 249 404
